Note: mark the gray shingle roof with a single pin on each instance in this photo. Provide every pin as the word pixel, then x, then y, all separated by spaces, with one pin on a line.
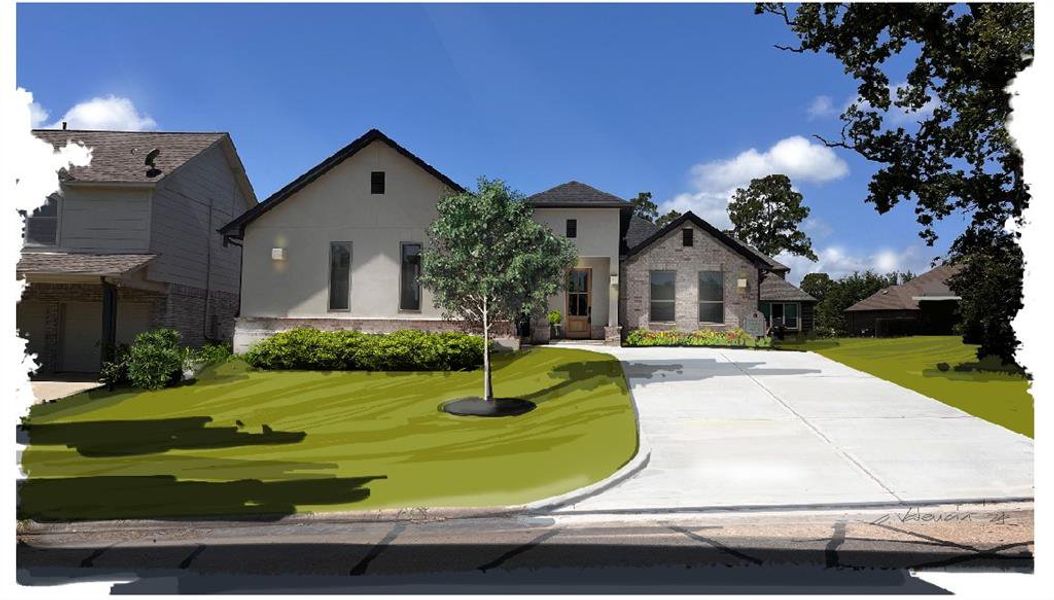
pixel 76 263
pixel 777 289
pixel 576 194
pixel 902 297
pixel 118 156
pixel 639 229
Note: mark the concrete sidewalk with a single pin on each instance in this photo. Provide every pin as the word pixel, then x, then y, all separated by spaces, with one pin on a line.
pixel 743 429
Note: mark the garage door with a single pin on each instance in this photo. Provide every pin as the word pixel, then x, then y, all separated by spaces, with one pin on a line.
pixel 80 335
pixel 31 322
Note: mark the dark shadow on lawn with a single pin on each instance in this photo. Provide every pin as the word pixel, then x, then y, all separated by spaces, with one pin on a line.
pixel 698 369
pixel 582 375
pixel 165 497
pixel 150 436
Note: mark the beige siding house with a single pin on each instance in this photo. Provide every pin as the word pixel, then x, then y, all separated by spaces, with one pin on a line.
pixel 130 243
pixel 339 248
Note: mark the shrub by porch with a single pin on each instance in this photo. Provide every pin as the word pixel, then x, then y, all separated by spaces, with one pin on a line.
pixel 732 338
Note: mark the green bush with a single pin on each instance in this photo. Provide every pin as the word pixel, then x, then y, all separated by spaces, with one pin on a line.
pixel 212 353
pixel 408 350
pixel 735 337
pixel 554 317
pixel 155 359
pixel 114 372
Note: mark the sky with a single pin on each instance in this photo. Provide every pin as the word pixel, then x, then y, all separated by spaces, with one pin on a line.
pixel 688 102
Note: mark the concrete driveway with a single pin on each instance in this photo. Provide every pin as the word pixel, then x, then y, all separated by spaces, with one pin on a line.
pixel 743 428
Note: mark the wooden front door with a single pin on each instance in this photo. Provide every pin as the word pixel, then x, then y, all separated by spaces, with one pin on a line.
pixel 579 302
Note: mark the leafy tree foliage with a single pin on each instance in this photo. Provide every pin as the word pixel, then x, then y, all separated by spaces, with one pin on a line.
pixel 816 285
pixel 766 214
pixel 644 208
pixel 489 261
pixel 668 217
pixel 953 153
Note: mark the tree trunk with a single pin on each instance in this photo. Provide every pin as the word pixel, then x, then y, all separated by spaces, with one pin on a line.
pixel 488 392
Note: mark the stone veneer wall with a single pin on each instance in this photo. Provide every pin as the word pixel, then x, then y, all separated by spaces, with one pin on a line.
pixel 669 254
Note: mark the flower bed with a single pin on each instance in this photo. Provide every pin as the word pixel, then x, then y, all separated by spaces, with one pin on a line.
pixel 733 338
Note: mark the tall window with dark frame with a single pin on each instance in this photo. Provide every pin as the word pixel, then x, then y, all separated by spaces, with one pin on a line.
pixel 339 275
pixel 42 226
pixel 663 296
pixel 711 297
pixel 686 237
pixel 409 279
pixel 572 228
pixel 377 182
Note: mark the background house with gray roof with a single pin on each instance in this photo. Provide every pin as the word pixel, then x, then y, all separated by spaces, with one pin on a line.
pixel 923 305
pixel 129 243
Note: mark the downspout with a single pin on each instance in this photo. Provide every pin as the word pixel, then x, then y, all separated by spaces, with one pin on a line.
pixel 208 275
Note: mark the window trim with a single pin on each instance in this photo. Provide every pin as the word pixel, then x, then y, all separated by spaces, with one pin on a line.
pixel 329 275
pixel 699 296
pixel 571 228
pixel 58 223
pixel 672 301
pixel 420 297
pixel 687 237
pixel 383 182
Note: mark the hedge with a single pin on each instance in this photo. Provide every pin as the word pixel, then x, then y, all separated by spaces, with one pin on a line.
pixel 736 338
pixel 309 349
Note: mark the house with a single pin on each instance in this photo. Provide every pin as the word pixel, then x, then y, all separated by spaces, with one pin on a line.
pixel 129 243
pixel 339 248
pixel 923 305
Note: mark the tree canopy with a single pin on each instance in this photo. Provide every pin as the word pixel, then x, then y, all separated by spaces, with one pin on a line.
pixel 489 261
pixel 940 131
pixel 767 213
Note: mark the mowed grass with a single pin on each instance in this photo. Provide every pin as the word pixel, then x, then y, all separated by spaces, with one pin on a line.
pixel 999 397
pixel 328 441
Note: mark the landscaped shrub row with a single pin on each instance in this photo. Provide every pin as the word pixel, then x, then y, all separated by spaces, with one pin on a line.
pixel 409 350
pixel 704 337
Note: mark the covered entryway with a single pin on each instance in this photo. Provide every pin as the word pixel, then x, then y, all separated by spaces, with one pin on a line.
pixel 579 306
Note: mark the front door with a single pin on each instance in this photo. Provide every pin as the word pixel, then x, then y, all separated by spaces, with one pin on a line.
pixel 579 302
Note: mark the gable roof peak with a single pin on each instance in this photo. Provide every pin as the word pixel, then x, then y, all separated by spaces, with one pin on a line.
pixel 575 194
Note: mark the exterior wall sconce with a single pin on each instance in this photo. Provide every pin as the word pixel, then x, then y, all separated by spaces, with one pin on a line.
pixel 742 283
pixel 614 279
pixel 277 253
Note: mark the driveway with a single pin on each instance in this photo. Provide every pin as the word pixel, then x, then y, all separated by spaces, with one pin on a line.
pixel 45 390
pixel 744 428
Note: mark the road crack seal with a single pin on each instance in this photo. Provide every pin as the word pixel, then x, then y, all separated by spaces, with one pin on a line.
pixel 716 544
pixel 518 550
pixel 375 551
pixel 830 553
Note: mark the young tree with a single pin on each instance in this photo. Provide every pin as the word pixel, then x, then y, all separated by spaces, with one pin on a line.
pixel 939 133
pixel 644 208
pixel 766 214
pixel 489 261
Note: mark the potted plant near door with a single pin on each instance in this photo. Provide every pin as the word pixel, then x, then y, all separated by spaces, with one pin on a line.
pixel 555 327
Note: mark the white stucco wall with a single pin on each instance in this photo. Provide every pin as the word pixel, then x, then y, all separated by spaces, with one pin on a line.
pixel 338 206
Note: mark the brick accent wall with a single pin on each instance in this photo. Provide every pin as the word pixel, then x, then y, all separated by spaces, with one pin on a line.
pixel 185 311
pixel 669 254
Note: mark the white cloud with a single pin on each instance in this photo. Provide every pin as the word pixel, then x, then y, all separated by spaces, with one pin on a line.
pixel 110 113
pixel 898 116
pixel 836 261
pixel 821 108
pixel 38 115
pixel 816 228
pixel 713 183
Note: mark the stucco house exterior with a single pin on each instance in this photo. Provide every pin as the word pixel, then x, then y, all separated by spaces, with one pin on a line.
pixel 129 243
pixel 339 248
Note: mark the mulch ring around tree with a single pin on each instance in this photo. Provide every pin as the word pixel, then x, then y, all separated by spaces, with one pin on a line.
pixel 478 407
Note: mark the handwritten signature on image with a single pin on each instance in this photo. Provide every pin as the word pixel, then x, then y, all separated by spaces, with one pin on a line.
pixel 916 515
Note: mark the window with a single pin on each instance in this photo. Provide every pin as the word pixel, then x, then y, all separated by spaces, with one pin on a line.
pixel 42 227
pixel 572 228
pixel 786 314
pixel 377 182
pixel 409 284
pixel 662 295
pixel 686 236
pixel 339 275
pixel 711 297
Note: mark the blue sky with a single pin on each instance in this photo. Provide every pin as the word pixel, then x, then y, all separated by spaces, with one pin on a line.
pixel 685 101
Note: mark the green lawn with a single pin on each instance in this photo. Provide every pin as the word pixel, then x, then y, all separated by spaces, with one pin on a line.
pixel 327 441
pixel 999 397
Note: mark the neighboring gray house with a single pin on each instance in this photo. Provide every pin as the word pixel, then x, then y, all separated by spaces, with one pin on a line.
pixel 339 248
pixel 923 305
pixel 129 243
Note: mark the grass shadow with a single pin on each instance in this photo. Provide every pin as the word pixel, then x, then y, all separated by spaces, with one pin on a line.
pixel 165 497
pixel 150 436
